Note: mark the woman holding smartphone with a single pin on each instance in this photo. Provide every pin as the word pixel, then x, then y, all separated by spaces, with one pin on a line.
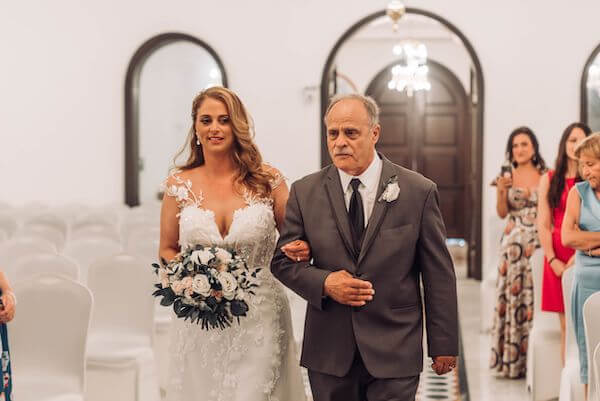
pixel 516 199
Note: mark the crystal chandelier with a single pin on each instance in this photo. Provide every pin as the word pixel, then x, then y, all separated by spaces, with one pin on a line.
pixel 593 81
pixel 395 10
pixel 410 73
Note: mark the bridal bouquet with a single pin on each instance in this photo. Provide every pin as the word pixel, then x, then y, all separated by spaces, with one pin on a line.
pixel 208 285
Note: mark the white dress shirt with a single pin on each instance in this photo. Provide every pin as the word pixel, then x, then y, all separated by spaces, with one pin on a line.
pixel 369 180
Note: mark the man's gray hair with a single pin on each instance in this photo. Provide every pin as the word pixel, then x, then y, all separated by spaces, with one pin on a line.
pixel 367 101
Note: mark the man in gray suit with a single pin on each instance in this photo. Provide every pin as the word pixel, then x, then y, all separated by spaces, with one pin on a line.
pixel 375 230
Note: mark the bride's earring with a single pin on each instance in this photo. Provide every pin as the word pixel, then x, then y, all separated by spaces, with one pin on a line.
pixel 197 141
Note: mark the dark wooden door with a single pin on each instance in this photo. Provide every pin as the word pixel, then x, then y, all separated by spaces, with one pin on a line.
pixel 430 133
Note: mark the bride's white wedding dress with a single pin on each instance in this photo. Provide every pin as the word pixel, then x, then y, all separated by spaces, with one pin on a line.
pixel 252 361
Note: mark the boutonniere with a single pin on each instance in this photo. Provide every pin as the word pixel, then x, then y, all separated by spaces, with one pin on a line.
pixel 392 190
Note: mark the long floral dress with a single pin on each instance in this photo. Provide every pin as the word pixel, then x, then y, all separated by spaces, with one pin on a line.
pixel 513 313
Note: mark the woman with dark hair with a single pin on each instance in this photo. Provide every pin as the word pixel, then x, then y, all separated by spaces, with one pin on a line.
pixel 516 198
pixel 554 188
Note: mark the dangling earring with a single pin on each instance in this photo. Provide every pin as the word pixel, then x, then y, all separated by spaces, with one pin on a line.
pixel 197 141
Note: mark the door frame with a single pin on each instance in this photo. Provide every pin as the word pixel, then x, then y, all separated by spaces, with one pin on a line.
pixel 442 69
pixel 475 254
pixel 132 104
pixel 583 86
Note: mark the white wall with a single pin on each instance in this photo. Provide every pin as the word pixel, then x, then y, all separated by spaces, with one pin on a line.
pixel 63 64
pixel 169 79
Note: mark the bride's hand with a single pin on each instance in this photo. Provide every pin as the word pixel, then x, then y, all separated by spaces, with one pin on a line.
pixel 298 251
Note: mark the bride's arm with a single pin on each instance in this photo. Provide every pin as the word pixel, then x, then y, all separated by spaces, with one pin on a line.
pixel 296 250
pixel 169 228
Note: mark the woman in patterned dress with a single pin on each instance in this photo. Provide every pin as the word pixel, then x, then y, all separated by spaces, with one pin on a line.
pixel 554 188
pixel 516 198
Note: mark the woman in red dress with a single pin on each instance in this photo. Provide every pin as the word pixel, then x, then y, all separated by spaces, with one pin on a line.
pixel 553 190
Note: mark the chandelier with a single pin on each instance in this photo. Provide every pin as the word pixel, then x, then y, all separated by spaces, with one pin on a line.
pixel 395 10
pixel 410 74
pixel 593 81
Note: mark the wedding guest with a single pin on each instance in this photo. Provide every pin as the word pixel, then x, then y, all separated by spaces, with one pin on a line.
pixel 7 313
pixel 517 198
pixel 581 231
pixel 554 188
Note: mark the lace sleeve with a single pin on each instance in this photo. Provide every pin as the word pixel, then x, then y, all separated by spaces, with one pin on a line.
pixel 277 179
pixel 180 189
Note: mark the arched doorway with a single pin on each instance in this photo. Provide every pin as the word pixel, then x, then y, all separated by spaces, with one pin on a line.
pixel 429 133
pixel 189 52
pixel 590 91
pixel 473 191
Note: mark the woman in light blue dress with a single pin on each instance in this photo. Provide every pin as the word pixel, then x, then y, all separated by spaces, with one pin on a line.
pixel 581 231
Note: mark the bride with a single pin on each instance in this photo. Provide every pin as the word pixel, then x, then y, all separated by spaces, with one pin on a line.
pixel 226 196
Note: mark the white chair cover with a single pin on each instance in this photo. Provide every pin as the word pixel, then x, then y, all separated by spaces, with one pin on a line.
pixel 45 263
pixel 8 224
pixel 85 251
pixel 597 371
pixel 120 342
pixel 15 248
pixel 571 388
pixel 53 220
pixel 143 243
pixel 591 324
pixel 47 232
pixel 48 339
pixel 488 285
pixel 94 230
pixel 543 354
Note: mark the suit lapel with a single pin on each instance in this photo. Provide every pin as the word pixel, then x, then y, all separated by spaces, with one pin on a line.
pixel 335 194
pixel 379 209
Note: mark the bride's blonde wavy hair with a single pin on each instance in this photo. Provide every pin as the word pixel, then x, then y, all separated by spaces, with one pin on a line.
pixel 251 173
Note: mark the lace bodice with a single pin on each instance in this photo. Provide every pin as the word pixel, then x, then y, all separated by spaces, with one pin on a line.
pixel 263 337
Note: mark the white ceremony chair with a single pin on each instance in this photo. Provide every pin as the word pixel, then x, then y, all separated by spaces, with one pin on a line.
pixel 591 324
pixel 143 243
pixel 15 248
pixel 543 353
pixel 85 251
pixel 488 285
pixel 596 371
pixel 8 224
pixel 53 220
pixel 45 263
pixel 48 339
pixel 47 232
pixel 120 355
pixel 571 388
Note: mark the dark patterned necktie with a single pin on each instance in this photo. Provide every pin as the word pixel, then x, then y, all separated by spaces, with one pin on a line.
pixel 356 213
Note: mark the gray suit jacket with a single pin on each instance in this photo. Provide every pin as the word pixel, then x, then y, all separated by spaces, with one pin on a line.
pixel 404 242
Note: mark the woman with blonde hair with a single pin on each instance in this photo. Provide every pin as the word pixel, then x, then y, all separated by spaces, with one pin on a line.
pixel 225 196
pixel 581 231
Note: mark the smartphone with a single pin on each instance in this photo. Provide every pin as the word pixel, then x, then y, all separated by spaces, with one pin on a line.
pixel 506 171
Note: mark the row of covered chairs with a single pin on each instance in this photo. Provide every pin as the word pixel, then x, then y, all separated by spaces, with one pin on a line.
pixel 96 340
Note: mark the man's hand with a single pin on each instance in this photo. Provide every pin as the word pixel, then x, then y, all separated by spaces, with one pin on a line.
pixel 347 290
pixel 443 364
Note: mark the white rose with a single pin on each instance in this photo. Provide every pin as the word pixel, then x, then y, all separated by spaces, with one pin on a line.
pixel 201 286
pixel 177 287
pixel 223 255
pixel 240 295
pixel 391 192
pixel 201 257
pixel 177 267
pixel 229 285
